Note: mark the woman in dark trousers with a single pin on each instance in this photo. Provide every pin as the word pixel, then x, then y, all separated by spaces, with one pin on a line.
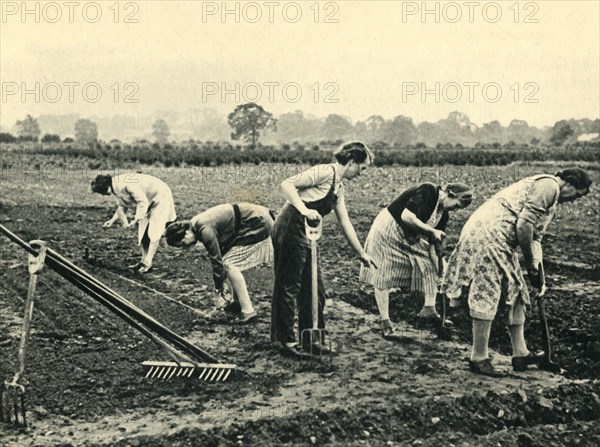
pixel 402 241
pixel 310 196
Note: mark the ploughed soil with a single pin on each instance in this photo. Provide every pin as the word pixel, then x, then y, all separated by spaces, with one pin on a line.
pixel 85 382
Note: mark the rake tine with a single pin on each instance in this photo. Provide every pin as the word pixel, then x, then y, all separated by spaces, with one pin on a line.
pixel 149 371
pixel 211 374
pixel 200 377
pixel 227 373
pixel 172 372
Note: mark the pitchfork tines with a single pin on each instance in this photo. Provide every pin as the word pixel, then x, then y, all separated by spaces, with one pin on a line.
pixel 12 404
pixel 12 397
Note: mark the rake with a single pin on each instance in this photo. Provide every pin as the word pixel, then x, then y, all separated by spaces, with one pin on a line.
pixel 313 339
pixel 188 362
pixel 12 396
pixel 182 352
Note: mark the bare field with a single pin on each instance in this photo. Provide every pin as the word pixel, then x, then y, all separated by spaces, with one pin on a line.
pixel 83 366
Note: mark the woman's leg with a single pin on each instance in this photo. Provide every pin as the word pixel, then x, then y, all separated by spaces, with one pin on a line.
pixel 382 297
pixel 148 252
pixel 516 329
pixel 481 339
pixel 290 257
pixel 238 284
pixel 517 339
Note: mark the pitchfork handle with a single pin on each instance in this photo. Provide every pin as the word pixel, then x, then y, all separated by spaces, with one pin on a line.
pixel 314 285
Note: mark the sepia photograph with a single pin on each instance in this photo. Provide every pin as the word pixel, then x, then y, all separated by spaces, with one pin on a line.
pixel 300 223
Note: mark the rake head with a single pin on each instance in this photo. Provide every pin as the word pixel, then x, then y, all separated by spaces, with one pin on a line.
pixel 314 344
pixel 12 404
pixel 209 372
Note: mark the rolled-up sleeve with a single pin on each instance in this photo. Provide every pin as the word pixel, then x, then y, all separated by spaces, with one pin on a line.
pixel 541 198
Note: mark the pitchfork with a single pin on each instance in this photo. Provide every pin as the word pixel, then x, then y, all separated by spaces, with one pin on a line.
pixel 12 400
pixel 314 338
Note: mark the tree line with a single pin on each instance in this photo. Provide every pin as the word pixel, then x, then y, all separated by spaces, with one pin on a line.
pixel 252 124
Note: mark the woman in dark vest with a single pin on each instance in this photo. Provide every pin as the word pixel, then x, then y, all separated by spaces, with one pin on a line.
pixel 237 238
pixel 310 196
pixel 402 241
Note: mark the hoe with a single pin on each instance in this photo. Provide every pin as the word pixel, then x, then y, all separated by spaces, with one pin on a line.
pixel 443 332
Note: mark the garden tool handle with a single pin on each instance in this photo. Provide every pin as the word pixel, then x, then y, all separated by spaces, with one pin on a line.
pixel 542 314
pixel 36 264
pixel 313 233
pixel 314 285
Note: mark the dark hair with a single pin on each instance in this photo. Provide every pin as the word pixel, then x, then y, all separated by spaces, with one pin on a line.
pixel 576 177
pixel 354 150
pixel 176 231
pixel 101 184
pixel 461 191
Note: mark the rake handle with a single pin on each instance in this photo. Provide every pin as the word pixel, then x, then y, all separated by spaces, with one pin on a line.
pixel 174 354
pixel 121 307
pixel 55 262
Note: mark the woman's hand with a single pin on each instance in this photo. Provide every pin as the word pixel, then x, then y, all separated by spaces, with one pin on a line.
pixel 312 215
pixel 108 223
pixel 437 236
pixel 367 261
pixel 131 224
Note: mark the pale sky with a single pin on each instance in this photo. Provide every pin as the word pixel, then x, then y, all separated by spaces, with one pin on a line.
pixel 375 60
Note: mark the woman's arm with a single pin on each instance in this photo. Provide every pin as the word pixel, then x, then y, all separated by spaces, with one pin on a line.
pixel 348 229
pixel 411 219
pixel 119 214
pixel 541 198
pixel 525 238
pixel 306 179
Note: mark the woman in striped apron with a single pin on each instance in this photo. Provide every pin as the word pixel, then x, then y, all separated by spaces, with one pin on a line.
pixel 237 238
pixel 402 242
pixel 485 262
pixel 310 196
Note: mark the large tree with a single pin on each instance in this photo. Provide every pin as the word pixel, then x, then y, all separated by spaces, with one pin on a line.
pixel 160 130
pixel 560 132
pixel 248 120
pixel 28 129
pixel 400 131
pixel 337 127
pixel 86 131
